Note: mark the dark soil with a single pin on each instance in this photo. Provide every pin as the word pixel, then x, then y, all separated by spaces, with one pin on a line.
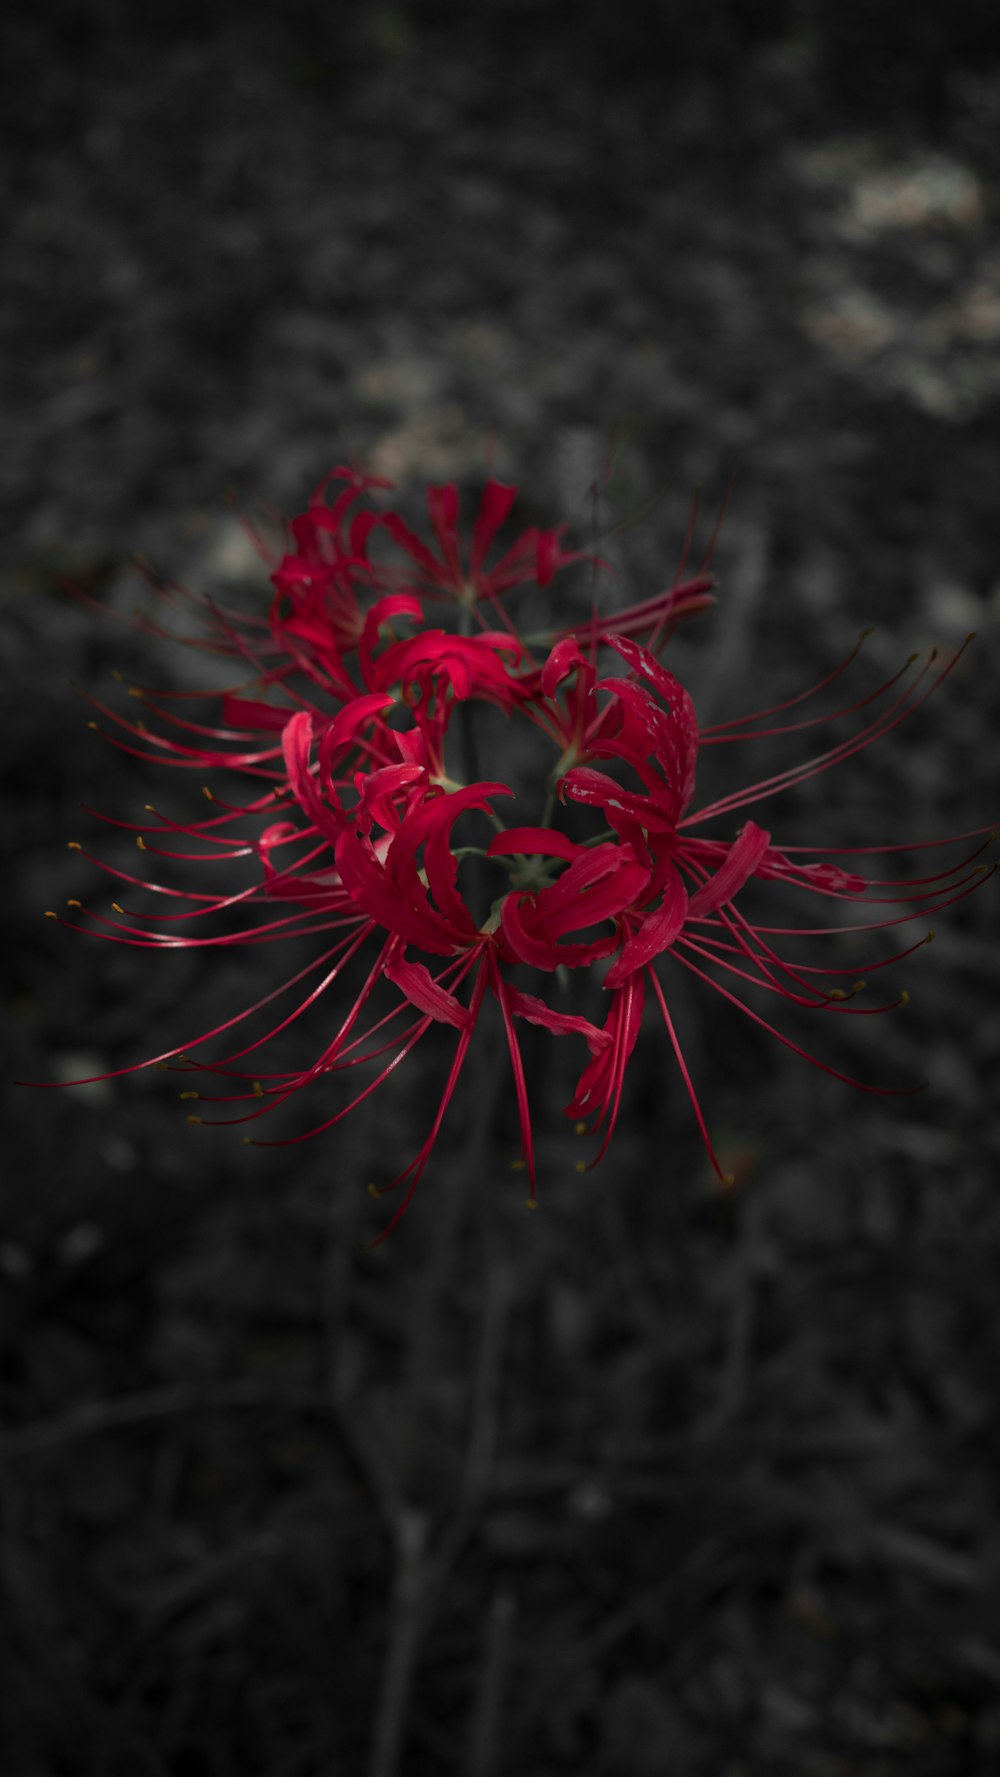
pixel 662 1479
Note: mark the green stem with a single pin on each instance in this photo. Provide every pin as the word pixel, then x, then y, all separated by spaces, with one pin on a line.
pixel 550 800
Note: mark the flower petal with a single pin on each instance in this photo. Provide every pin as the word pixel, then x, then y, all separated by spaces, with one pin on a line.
pixel 418 984
pixel 656 934
pixel 296 745
pixel 529 947
pixel 494 510
pixel 533 842
pixel 599 1088
pixel 745 853
pixel 442 505
pixel 561 1024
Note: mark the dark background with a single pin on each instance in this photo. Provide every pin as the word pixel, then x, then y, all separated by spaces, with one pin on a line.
pixel 657 1480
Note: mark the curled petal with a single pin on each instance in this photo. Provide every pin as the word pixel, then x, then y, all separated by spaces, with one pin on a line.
pixel 744 856
pixel 395 604
pixel 564 658
pixel 584 898
pixel 826 879
pixel 248 713
pixel 296 745
pixel 418 984
pixel 561 1024
pixel 409 917
pixel 343 730
pixel 541 951
pixel 377 789
pixel 415 549
pixel 549 557
pixel 442 506
pixel 494 510
pixel 656 933
pixel 597 790
pixel 441 812
pixel 533 842
pixel 599 1088
pixel 648 668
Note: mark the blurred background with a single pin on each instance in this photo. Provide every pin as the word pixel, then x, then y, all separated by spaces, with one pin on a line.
pixel 660 1479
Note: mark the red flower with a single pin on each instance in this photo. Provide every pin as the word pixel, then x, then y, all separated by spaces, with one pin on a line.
pixel 316 605
pixel 689 912
pixel 356 761
pixel 535 558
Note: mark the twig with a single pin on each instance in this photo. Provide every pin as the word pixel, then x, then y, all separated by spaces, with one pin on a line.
pixel 483 1417
pixel 407 1619
pixel 145 1408
pixel 484 1731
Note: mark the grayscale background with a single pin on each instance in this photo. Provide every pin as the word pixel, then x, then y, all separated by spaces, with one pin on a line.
pixel 658 1479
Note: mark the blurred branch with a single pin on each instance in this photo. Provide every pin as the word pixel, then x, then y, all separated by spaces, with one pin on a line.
pixel 149 1406
pixel 485 1732
pixel 406 1616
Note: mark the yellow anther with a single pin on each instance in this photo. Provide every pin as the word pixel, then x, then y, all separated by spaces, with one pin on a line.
pixel 148 806
pixel 932 934
pixel 141 728
pixel 248 1141
pixel 73 845
pixel 518 1165
pixel 531 1203
pixel 904 998
pixel 859 987
pixel 373 1191
pixel 50 915
pixel 190 1094
pixel 193 1119
pixel 140 842
pixel 581 1166
pixel 837 993
pixel 258 1090
pixel 579 1128
pixel 911 658
pixel 865 633
pixel 136 691
pixel 206 792
pixel 116 909
pixel 160 1066
pixel 91 724
pixel 74 903
pixel 972 635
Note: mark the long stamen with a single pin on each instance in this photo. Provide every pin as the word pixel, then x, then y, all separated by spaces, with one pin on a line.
pixel 719 729
pixel 899 711
pixel 824 1066
pixel 725 1178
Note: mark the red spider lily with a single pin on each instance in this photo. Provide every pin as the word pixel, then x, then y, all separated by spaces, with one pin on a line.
pixel 375 884
pixel 317 584
pixel 535 558
pixel 357 778
pixel 682 905
pixel 316 604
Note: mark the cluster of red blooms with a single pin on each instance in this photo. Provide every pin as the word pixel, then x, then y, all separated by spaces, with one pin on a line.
pixel 359 724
